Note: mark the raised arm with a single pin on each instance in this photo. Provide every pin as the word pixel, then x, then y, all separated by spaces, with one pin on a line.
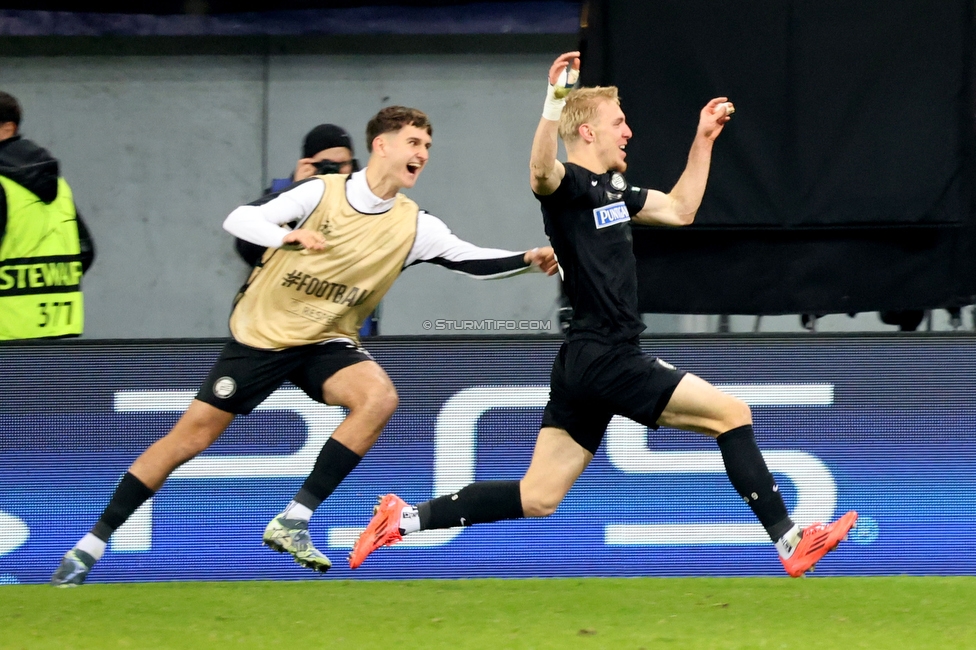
pixel 545 172
pixel 679 206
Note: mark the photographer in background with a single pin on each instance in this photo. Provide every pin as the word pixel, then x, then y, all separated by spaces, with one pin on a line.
pixel 326 149
pixel 44 245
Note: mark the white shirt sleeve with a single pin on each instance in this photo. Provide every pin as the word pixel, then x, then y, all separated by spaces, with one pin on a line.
pixel 435 243
pixel 261 224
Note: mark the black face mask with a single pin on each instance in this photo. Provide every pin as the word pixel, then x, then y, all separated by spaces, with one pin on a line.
pixel 328 167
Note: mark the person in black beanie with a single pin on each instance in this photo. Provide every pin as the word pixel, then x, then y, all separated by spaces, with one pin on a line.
pixel 326 149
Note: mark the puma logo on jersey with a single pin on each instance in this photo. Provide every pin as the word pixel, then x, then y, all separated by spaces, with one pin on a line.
pixel 610 215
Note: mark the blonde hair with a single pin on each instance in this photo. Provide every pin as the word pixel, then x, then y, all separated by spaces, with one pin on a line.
pixel 581 107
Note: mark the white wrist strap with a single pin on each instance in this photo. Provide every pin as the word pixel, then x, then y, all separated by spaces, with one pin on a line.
pixel 553 107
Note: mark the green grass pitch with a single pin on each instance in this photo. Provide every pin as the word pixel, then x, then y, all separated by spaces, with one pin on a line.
pixel 720 613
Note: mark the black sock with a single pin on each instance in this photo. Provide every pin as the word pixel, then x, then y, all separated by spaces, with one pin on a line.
pixel 129 494
pixel 478 503
pixel 334 463
pixel 753 481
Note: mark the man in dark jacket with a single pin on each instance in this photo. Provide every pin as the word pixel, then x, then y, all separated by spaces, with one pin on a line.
pixel 326 149
pixel 44 245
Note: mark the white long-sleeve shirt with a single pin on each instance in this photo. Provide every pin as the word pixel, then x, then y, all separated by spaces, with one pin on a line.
pixel 262 223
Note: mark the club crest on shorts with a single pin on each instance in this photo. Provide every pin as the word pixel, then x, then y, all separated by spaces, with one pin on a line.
pixel 224 387
pixel 617 182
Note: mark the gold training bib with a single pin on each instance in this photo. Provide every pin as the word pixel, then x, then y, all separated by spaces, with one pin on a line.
pixel 301 297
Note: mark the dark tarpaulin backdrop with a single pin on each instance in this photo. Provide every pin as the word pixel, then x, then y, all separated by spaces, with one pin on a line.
pixel 844 181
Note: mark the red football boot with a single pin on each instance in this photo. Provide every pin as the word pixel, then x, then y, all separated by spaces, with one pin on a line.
pixel 383 529
pixel 817 541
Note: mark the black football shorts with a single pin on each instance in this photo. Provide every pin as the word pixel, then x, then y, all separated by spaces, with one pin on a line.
pixel 243 376
pixel 592 381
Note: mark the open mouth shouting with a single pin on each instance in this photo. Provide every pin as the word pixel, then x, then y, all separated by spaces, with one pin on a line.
pixel 413 168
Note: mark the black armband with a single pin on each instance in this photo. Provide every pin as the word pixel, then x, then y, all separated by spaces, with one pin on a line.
pixel 634 199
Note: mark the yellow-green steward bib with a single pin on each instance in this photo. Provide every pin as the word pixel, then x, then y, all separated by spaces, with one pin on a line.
pixel 40 265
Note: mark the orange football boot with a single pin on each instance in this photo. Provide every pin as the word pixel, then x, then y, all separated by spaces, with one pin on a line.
pixel 383 529
pixel 817 541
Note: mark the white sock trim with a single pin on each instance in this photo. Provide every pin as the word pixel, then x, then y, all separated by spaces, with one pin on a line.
pixel 787 543
pixel 296 510
pixel 92 545
pixel 409 520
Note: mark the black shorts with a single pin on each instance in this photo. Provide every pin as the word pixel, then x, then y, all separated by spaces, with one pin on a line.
pixel 243 377
pixel 593 381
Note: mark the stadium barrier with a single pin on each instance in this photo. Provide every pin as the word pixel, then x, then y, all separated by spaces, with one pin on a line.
pixel 880 424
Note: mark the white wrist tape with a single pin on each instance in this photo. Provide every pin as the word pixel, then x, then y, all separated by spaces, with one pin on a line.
pixel 553 107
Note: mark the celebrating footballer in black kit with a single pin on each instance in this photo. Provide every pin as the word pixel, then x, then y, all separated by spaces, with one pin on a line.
pixel 600 370
pixel 298 319
pixel 587 220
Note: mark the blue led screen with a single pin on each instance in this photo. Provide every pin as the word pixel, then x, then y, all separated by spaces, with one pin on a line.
pixel 881 425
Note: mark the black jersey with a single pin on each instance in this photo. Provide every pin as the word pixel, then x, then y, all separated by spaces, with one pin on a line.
pixel 587 221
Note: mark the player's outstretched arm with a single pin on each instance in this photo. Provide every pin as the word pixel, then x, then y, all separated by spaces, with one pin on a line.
pixel 436 244
pixel 545 171
pixel 680 205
